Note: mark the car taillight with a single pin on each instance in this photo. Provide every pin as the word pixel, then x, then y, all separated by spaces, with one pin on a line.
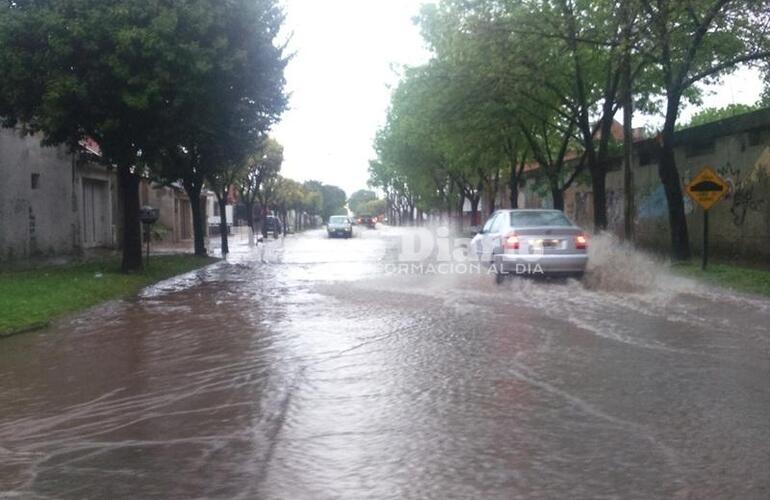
pixel 511 242
pixel 581 242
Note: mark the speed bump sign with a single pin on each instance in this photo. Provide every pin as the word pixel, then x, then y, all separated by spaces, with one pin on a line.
pixel 707 188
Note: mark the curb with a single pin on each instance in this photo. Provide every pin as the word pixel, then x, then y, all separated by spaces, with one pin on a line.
pixel 25 329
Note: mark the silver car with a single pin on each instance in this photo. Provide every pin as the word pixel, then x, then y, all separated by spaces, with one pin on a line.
pixel 339 225
pixel 533 243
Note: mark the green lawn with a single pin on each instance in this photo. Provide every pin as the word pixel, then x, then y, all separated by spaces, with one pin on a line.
pixel 33 298
pixel 741 279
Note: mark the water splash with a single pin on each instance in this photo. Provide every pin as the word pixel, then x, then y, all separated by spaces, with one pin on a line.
pixel 615 266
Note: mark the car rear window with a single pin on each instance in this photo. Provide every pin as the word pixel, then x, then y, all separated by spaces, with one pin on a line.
pixel 538 219
pixel 338 219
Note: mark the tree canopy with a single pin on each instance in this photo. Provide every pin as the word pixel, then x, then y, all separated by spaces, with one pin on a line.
pixel 515 84
pixel 169 89
pixel 709 115
pixel 359 199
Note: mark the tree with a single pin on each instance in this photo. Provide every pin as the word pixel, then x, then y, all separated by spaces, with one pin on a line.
pixel 418 163
pixel 374 207
pixel 289 196
pixel 265 163
pixel 697 41
pixel 221 180
pixel 165 88
pixel 232 94
pixel 74 69
pixel 359 199
pixel 588 34
pixel 555 72
pixel 314 198
pixel 334 200
pixel 555 64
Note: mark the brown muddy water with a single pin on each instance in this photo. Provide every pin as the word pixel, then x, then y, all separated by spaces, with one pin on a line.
pixel 321 374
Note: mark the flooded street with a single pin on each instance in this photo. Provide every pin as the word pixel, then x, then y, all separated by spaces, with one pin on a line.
pixel 318 374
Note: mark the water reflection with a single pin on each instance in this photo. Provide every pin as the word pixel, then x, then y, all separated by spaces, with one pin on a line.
pixel 316 376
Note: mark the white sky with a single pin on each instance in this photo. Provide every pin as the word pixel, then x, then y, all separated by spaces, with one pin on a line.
pixel 339 79
pixel 346 57
pixel 742 87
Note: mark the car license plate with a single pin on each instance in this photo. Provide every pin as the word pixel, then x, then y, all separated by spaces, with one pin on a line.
pixel 543 243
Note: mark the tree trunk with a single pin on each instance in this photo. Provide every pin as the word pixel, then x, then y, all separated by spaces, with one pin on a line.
pixel 222 200
pixel 460 214
pixel 262 217
pixel 669 176
pixel 128 183
pixel 193 190
pixel 475 210
pixel 558 197
pixel 491 201
pixel 628 132
pixel 599 187
pixel 514 196
pixel 250 220
pixel 513 185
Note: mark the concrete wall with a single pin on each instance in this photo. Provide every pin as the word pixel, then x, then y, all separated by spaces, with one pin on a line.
pixel 739 225
pixel 168 201
pixel 46 219
pixel 41 221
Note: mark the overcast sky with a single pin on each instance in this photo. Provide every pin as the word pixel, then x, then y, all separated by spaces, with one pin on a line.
pixel 340 79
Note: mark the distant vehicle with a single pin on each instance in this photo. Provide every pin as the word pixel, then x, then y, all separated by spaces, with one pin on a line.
pixel 532 242
pixel 371 222
pixel 339 225
pixel 272 225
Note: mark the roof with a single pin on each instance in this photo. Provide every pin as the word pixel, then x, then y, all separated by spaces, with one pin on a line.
pixel 91 146
pixel 616 131
pixel 754 120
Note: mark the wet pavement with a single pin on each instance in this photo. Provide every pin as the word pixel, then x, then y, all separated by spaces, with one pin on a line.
pixel 323 374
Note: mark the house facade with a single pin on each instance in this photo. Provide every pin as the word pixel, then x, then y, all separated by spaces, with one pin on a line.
pixel 53 202
pixel 175 224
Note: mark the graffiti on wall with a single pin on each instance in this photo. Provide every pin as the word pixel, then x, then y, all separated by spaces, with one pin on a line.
pixel 582 201
pixel 653 204
pixel 746 190
pixel 614 208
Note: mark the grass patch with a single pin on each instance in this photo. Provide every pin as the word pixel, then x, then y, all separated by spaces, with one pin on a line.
pixel 32 298
pixel 740 279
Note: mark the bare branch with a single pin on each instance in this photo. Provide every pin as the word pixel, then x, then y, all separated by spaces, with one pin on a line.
pixel 726 65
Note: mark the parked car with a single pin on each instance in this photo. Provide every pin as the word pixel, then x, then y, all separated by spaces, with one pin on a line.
pixel 532 242
pixel 272 225
pixel 339 225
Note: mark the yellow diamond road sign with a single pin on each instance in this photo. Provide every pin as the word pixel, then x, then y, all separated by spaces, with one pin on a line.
pixel 707 188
